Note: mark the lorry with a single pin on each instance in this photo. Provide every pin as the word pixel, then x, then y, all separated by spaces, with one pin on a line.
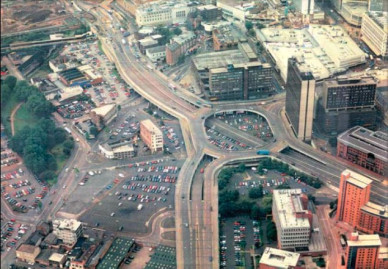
pixel 140 206
pixel 263 152
pixel 123 41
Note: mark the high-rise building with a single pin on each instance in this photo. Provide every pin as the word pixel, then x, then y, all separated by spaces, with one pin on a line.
pixel 300 91
pixel 233 74
pixel 374 32
pixel 362 251
pixel 151 135
pixel 354 191
pixel 273 258
pixel 347 102
pixel 306 7
pixel 293 220
pixel 67 230
pixel 365 148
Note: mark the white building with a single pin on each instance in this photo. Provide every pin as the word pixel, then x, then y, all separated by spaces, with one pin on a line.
pixel 291 218
pixel 68 230
pixel 306 7
pixel 156 54
pixel 122 150
pixel 162 13
pixel 235 10
pixel 374 31
pixel 277 258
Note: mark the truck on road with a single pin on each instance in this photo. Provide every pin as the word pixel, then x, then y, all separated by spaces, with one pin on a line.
pixel 263 152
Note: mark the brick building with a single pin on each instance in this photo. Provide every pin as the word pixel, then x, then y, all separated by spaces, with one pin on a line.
pixel 365 148
pixel 373 219
pixel 151 135
pixel 178 46
pixel 362 251
pixel 27 253
pixel 354 191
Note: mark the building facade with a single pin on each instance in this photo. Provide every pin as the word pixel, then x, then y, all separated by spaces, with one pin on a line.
pixel 300 91
pixel 347 102
pixel 161 13
pixel 27 253
pixel 373 219
pixel 156 54
pixel 362 251
pixel 121 150
pixel 151 135
pixel 306 7
pixel 178 47
pixel 374 32
pixel 354 192
pixel 67 230
pixel 365 148
pixel 293 220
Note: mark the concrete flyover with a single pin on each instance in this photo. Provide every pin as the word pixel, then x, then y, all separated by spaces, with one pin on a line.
pixel 193 243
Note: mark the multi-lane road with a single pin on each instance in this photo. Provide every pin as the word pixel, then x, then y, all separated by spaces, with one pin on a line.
pixel 197 218
pixel 196 203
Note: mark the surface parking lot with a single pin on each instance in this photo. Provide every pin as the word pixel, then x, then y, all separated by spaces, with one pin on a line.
pixel 21 190
pixel 253 124
pixel 269 181
pixel 224 142
pixel 11 233
pixel 130 198
pixel 238 237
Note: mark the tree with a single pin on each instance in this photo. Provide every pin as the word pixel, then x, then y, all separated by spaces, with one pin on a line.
pixel 23 90
pixel 6 93
pixel 248 25
pixel 260 26
pixel 333 204
pixel 177 31
pixel 47 175
pixel 93 130
pixel 266 203
pixel 68 144
pixel 271 231
pixel 252 32
pixel 256 193
pixel 10 81
pixel 241 168
pixel 311 198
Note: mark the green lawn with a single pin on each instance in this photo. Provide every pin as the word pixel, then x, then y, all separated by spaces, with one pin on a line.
pixel 6 111
pixel 24 118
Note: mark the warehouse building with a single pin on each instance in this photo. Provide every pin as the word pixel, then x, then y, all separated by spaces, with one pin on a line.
pixel 73 77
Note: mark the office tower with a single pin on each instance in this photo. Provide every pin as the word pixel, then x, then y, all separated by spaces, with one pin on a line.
pixel 365 148
pixel 293 220
pixel 347 102
pixel 306 7
pixel 151 135
pixel 378 5
pixel 374 32
pixel 68 230
pixel 362 251
pixel 300 90
pixel 354 191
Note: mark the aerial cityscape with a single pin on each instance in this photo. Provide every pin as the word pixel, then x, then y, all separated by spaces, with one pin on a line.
pixel 194 134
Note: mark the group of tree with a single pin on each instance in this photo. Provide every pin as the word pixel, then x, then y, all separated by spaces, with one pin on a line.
pixel 271 231
pixel 34 142
pixel 269 164
pixel 230 206
pixel 226 174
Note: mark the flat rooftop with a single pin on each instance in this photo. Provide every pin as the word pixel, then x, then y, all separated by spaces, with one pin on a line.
pixel 288 203
pixel 345 80
pixel 357 179
pixel 151 126
pixel 323 49
pixel 365 240
pixel 66 224
pixel 104 110
pixel 375 209
pixel 279 258
pixel 366 141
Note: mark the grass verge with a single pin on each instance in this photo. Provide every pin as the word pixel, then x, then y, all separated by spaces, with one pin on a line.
pixel 24 118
